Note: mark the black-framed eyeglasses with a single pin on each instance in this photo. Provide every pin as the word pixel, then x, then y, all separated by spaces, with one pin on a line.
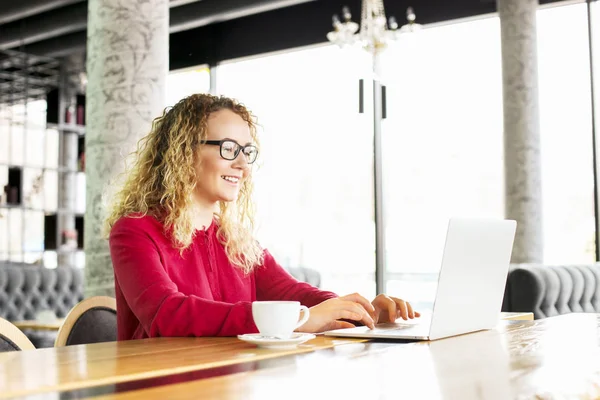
pixel 230 149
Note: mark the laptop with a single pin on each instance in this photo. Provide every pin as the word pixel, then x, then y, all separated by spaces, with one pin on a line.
pixel 470 286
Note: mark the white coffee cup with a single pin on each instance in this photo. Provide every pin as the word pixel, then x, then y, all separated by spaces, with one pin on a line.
pixel 278 318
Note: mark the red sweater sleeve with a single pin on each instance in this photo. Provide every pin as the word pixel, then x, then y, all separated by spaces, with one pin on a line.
pixel 275 283
pixel 153 297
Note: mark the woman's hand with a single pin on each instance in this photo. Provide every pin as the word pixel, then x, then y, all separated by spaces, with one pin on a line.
pixel 388 308
pixel 326 315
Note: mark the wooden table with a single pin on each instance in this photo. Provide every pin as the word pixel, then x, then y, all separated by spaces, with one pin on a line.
pixel 556 357
pixel 39 326
pixel 517 316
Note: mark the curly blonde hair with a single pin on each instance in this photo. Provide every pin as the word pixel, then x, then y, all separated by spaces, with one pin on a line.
pixel 162 179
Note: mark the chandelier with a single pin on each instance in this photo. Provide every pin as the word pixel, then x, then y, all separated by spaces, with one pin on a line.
pixel 375 30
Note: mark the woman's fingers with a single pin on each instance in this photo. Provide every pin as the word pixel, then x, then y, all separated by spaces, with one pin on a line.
pixel 357 298
pixel 368 321
pixel 401 305
pixel 405 310
pixel 340 325
pixel 354 311
pixel 394 307
pixel 411 313
pixel 387 303
pixel 347 314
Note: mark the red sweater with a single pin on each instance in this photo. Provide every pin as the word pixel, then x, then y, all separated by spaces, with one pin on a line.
pixel 160 293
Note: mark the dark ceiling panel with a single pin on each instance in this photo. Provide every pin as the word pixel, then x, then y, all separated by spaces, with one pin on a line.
pixel 212 11
pixel 43 26
pixel 58 46
pixel 12 10
pixel 54 23
pixel 184 14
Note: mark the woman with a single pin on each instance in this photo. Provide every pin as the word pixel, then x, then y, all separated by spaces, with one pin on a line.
pixel 180 232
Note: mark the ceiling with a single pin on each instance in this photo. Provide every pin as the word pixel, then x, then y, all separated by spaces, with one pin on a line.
pixel 201 31
pixel 56 28
pixel 35 34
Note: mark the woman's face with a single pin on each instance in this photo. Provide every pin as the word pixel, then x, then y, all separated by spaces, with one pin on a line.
pixel 220 179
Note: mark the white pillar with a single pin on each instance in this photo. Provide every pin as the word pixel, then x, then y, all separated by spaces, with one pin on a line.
pixel 523 190
pixel 127 66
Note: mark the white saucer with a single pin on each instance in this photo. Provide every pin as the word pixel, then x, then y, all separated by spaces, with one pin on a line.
pixel 271 343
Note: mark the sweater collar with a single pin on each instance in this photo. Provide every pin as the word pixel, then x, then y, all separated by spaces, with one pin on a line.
pixel 209 230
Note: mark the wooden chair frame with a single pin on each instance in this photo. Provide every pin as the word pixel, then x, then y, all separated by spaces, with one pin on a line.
pixel 14 334
pixel 77 311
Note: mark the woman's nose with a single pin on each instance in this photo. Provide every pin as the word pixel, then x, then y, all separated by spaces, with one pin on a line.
pixel 241 161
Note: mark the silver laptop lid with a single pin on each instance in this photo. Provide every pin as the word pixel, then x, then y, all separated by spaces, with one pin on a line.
pixel 473 276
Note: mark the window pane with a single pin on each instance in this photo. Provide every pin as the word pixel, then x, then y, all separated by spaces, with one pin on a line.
pixel 50 194
pixel 52 143
pixel 35 133
pixel 314 181
pixel 15 232
pixel 33 232
pixel 33 187
pixel 595 19
pixel 184 83
pixel 442 144
pixel 566 135
pixel 35 147
pixel 16 133
pixel 4 137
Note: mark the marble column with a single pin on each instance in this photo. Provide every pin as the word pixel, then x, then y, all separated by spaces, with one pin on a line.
pixel 523 191
pixel 127 66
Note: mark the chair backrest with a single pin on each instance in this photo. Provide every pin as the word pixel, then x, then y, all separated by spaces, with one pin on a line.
pixel 12 339
pixel 93 320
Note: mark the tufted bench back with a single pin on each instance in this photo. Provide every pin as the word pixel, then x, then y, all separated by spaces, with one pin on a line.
pixel 26 290
pixel 548 290
pixel 307 275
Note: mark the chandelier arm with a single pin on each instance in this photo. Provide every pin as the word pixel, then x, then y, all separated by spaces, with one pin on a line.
pixel 375 30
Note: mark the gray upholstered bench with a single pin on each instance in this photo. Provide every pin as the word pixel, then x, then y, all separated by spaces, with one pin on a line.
pixel 304 274
pixel 26 290
pixel 548 290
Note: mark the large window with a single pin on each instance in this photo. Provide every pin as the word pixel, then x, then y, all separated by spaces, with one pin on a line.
pixel 595 37
pixel 566 135
pixel 183 83
pixel 442 144
pixel 443 141
pixel 314 181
